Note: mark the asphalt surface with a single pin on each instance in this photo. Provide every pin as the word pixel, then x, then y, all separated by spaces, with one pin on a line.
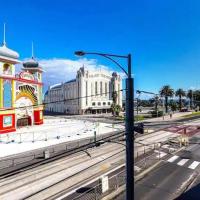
pixel 170 179
pixel 165 124
pixel 108 118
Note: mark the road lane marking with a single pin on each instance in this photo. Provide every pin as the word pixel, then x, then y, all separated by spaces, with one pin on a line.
pixel 173 158
pixel 136 168
pixel 194 165
pixel 160 154
pixel 182 162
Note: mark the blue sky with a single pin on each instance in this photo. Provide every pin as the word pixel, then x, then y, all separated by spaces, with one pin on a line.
pixel 162 36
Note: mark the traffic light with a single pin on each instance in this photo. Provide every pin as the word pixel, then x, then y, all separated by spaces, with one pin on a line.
pixel 139 128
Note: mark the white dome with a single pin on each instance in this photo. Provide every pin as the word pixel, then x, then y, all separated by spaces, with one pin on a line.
pixel 6 52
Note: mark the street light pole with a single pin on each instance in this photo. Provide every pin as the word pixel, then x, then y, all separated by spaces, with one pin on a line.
pixel 129 132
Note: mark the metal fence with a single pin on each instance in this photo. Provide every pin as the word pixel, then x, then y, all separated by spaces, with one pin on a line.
pixel 95 192
pixel 59 149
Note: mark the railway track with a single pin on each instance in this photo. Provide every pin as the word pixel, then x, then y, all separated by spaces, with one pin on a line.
pixel 6 172
pixel 48 179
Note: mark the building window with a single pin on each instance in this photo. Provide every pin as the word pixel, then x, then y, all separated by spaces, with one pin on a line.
pixel 110 90
pixel 108 103
pixel 7 121
pixel 96 88
pixel 101 88
pixel 86 84
pixel 7 69
pixel 7 94
pixel 93 103
pixel 106 91
pixel 104 103
pixel 99 103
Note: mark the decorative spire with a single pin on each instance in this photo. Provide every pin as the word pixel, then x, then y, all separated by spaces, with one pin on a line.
pixel 4 34
pixel 32 51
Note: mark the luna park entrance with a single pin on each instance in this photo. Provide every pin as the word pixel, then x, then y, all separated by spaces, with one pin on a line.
pixel 26 121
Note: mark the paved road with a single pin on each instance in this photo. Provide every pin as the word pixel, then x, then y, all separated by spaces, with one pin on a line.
pixel 164 124
pixel 154 125
pixel 171 177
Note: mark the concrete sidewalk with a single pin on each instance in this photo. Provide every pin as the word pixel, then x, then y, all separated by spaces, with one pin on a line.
pixel 167 117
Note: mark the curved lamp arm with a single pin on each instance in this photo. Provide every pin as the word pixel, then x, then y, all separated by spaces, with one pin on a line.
pixel 108 56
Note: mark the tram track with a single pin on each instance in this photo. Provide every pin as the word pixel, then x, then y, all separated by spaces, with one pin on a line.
pixel 32 182
pixel 36 163
pixel 70 161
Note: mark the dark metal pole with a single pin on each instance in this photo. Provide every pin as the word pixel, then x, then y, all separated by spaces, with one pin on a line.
pixel 129 134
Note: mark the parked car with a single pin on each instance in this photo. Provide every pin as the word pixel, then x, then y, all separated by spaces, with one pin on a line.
pixel 184 110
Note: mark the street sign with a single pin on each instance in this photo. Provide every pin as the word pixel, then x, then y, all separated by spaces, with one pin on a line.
pixel 104 184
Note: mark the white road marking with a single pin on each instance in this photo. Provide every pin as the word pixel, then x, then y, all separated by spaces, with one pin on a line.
pixel 194 165
pixel 182 162
pixel 160 154
pixel 173 158
pixel 136 168
pixel 166 146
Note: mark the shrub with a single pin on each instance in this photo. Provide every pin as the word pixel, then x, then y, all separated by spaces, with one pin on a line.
pixel 154 113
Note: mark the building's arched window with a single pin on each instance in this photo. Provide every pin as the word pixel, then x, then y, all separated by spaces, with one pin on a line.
pixel 106 91
pixel 96 88
pixel 7 69
pixel 101 88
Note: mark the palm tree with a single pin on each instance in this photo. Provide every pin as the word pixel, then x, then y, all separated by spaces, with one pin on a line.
pixel 113 106
pixel 115 109
pixel 190 96
pixel 166 92
pixel 156 102
pixel 114 97
pixel 173 105
pixel 180 93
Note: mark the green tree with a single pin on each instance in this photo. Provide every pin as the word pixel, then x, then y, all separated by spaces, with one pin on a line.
pixel 156 102
pixel 196 96
pixel 190 97
pixel 173 105
pixel 166 92
pixel 180 93
pixel 115 109
pixel 114 97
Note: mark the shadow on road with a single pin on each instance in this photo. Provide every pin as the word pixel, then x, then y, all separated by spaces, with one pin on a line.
pixel 192 194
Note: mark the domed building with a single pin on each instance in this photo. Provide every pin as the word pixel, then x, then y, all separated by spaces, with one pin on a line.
pixel 91 91
pixel 20 94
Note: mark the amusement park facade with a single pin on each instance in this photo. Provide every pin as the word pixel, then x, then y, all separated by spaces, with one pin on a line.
pixel 20 94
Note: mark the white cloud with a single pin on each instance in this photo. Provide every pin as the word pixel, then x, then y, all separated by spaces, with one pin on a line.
pixel 60 70
pixel 193 88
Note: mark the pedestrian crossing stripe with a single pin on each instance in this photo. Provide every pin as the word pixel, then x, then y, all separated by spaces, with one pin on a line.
pixel 173 158
pixel 183 162
pixel 194 165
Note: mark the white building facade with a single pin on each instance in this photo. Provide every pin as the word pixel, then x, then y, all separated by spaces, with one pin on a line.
pixel 90 92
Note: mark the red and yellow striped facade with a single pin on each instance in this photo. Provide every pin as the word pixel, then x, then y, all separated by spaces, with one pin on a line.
pixel 20 96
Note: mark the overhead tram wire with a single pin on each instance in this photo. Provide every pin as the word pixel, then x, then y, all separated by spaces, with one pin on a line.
pixel 58 101
pixel 61 155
